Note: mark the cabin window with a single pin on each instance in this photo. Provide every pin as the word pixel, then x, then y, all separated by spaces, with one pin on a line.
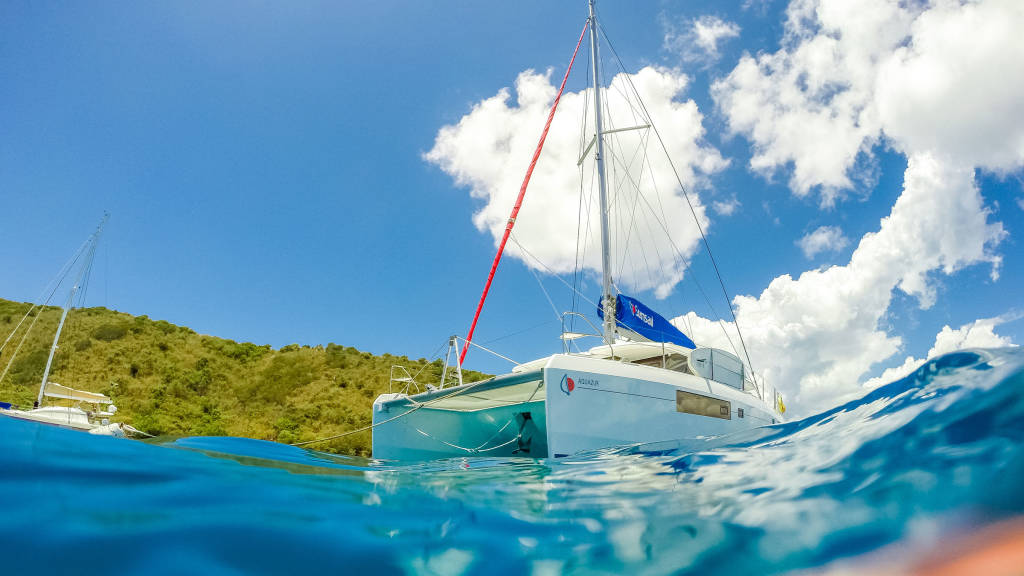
pixel 676 362
pixel 654 361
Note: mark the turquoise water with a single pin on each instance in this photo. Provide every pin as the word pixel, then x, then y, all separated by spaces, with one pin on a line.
pixel 890 478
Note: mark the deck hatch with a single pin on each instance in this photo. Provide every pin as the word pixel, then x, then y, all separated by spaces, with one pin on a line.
pixel 691 403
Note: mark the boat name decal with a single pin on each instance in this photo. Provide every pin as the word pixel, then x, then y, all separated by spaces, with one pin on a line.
pixel 568 384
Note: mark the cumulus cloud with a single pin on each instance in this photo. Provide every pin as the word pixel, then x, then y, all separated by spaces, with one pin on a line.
pixel 978 334
pixel 822 239
pixel 928 77
pixel 816 336
pixel 698 39
pixel 807 105
pixel 957 87
pixel 489 149
pixel 931 80
pixel 725 207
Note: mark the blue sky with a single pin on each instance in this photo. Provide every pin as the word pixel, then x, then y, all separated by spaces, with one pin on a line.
pixel 266 167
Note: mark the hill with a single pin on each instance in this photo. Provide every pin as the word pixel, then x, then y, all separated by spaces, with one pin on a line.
pixel 169 380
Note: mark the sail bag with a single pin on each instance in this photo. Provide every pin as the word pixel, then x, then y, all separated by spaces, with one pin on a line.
pixel 633 315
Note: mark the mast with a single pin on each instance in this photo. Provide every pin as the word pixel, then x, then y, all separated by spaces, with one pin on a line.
pixel 90 252
pixel 607 298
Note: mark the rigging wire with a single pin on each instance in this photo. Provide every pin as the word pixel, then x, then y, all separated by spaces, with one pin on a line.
pixel 686 195
pixel 518 332
pixel 20 344
pixel 642 146
pixel 664 217
pixel 579 208
pixel 435 356
pixel 539 283
pixel 635 112
pixel 555 274
pixel 55 282
pixel 663 222
pixel 522 193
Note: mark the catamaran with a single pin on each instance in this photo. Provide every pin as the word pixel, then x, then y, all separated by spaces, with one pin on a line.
pixel 86 411
pixel 647 382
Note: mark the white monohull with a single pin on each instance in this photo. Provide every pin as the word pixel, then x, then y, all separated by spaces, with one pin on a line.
pixel 647 381
pixel 81 410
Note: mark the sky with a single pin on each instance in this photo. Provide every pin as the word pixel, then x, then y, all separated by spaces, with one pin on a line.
pixel 322 172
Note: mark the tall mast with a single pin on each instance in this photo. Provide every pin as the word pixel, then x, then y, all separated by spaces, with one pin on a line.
pixel 607 298
pixel 90 252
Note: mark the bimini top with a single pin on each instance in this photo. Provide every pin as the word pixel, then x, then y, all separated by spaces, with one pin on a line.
pixel 633 315
pixel 54 390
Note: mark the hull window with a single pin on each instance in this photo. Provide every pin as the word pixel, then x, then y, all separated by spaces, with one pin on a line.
pixel 691 403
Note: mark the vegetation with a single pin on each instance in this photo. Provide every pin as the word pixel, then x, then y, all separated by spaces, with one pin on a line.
pixel 169 380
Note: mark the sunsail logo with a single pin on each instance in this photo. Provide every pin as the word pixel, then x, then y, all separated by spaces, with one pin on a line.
pixel 646 319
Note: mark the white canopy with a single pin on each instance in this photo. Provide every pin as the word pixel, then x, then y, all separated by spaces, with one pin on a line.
pixel 54 390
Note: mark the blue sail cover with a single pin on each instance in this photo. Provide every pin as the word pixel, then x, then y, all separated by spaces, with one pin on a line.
pixel 632 314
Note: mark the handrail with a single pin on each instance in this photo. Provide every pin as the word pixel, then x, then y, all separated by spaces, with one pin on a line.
pixel 565 341
pixel 407 379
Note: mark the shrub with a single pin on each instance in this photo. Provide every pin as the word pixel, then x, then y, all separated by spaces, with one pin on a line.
pixel 110 332
pixel 246 351
pixel 165 326
pixel 28 368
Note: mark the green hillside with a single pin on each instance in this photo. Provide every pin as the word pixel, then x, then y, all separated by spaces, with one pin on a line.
pixel 169 380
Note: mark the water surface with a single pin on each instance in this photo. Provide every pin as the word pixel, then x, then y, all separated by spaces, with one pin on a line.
pixel 882 483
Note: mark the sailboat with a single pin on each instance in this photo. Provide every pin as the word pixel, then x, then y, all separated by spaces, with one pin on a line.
pixel 87 411
pixel 647 382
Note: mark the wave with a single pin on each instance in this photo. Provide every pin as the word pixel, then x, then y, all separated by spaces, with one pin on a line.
pixel 887 480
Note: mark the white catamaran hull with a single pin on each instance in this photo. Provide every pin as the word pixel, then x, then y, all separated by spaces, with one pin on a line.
pixel 499 417
pixel 572 404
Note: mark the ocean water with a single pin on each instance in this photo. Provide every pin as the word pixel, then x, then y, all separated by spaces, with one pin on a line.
pixel 915 475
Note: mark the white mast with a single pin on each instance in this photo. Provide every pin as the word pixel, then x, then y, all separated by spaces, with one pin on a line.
pixel 607 298
pixel 90 252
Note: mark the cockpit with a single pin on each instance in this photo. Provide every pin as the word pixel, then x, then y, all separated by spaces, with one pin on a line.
pixel 711 363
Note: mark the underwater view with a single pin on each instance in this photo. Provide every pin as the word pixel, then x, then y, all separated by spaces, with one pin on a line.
pixel 919 476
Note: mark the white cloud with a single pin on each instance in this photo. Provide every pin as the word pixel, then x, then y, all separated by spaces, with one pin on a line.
pixel 699 39
pixel 957 87
pixel 822 239
pixel 708 31
pixel 931 78
pixel 726 207
pixel 489 149
pixel 977 334
pixel 815 337
pixel 807 105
